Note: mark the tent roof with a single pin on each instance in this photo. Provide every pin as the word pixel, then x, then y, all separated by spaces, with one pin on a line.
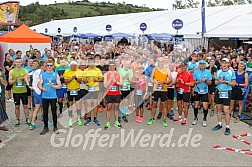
pixel 24 34
pixel 222 21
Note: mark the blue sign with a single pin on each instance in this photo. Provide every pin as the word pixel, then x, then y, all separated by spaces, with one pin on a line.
pixel 178 40
pixel 46 30
pixel 108 38
pixel 108 27
pixel 177 24
pixel 75 29
pixel 143 26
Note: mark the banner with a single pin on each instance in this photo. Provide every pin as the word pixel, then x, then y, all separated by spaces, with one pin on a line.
pixel 203 16
pixel 9 12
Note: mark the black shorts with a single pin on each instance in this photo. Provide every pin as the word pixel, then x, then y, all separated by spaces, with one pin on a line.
pixel 201 97
pixel 237 94
pixel 218 100
pixel 92 95
pixel 211 89
pixel 170 94
pixel 28 91
pixel 8 87
pixel 158 94
pixel 83 93
pixel 185 97
pixel 113 99
pixel 73 97
pixel 20 96
pixel 124 94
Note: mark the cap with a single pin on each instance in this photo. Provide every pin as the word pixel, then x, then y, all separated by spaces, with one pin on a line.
pixel 92 53
pixel 183 64
pixel 202 62
pixel 212 59
pixel 73 63
pixel 225 59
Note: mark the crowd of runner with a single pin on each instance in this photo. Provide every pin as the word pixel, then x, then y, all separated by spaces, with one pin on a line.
pixel 118 79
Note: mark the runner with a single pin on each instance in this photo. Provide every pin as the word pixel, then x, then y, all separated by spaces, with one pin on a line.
pixel 19 77
pixel 225 79
pixel 239 90
pixel 202 78
pixel 112 82
pixel 92 76
pixel 8 65
pixel 49 81
pixel 161 77
pixel 3 84
pixel 30 70
pixel 61 93
pixel 127 75
pixel 148 73
pixel 72 79
pixel 184 82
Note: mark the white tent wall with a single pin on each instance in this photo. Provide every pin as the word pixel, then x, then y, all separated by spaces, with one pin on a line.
pixel 192 43
pixel 3 47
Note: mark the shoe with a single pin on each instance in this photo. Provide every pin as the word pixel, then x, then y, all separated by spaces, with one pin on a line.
pixel 33 127
pixel 88 121
pixel 194 122
pixel 140 119
pixel 119 119
pixel 79 122
pixel 159 115
pixel 178 119
pixel 107 126
pixel 125 119
pixel 172 112
pixel 184 121
pixel 96 122
pixel 70 123
pixel 85 117
pixel 17 123
pixel 3 128
pixel 55 130
pixel 28 122
pixel 227 131
pixel 211 113
pixel 204 123
pixel 151 121
pixel 100 109
pixel 218 127
pixel 60 115
pixel 105 108
pixel 164 123
pixel 237 119
pixel 137 118
pixel 117 124
pixel 44 131
pixel 149 107
pixel 170 117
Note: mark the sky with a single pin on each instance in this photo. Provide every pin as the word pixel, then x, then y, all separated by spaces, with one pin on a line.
pixel 164 4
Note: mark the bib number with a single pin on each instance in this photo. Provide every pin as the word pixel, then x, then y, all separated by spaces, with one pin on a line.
pixel 159 87
pixel 91 88
pixel 223 95
pixel 202 91
pixel 64 85
pixel 125 87
pixel 113 88
pixel 20 84
pixel 73 92
pixel 150 84
pixel 139 92
pixel 181 91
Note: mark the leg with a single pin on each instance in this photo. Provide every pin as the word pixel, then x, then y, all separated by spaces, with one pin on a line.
pixel 108 115
pixel 54 111
pixel 45 104
pixel 153 110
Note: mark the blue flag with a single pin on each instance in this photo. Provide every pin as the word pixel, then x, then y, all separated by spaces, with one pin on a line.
pixel 203 16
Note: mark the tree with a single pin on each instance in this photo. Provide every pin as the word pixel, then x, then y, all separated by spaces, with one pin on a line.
pixel 178 5
pixel 192 4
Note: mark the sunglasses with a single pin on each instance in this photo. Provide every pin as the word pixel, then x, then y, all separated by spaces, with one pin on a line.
pixel 49 65
pixel 58 57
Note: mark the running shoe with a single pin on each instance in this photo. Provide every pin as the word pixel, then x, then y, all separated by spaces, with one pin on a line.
pixel 44 131
pixel 17 123
pixel 172 112
pixel 237 119
pixel 125 119
pixel 170 117
pixel 85 117
pixel 79 122
pixel 194 122
pixel 88 121
pixel 140 119
pixel 117 124
pixel 137 118
pixel 159 115
pixel 227 131
pixel 149 107
pixel 4 128
pixel 28 122
pixel 151 121
pixel 184 121
pixel 204 123
pixel 96 122
pixel 33 127
pixel 164 123
pixel 218 127
pixel 178 119
pixel 55 130
pixel 107 126
pixel 70 123
pixel 212 113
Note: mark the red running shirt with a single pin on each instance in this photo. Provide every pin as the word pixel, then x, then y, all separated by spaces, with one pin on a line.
pixel 186 77
pixel 113 89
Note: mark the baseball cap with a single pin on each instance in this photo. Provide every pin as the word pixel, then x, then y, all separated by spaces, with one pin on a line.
pixel 183 64
pixel 73 63
pixel 225 59
pixel 202 62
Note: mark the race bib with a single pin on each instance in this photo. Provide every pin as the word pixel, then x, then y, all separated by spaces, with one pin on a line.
pixel 223 95
pixel 160 87
pixel 20 84
pixel 91 88
pixel 150 84
pixel 181 91
pixel 139 92
pixel 82 85
pixel 63 85
pixel 202 91
pixel 113 88
pixel 125 87
pixel 73 92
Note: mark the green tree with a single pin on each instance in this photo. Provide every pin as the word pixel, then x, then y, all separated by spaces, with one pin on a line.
pixel 178 5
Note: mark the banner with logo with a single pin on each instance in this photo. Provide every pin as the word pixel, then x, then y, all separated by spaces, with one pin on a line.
pixel 9 12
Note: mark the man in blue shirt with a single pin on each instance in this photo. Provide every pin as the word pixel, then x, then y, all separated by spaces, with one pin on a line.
pixel 148 73
pixel 225 80
pixel 202 78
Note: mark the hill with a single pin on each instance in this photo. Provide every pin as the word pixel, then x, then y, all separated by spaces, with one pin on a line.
pixel 35 13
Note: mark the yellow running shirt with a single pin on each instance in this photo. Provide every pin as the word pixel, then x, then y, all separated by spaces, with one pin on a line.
pixel 92 74
pixel 73 85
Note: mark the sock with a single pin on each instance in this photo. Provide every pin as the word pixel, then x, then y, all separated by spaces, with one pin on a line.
pixel 196 112
pixel 125 109
pixel 70 113
pixel 205 113
pixel 227 126
pixel 60 107
pixel 220 123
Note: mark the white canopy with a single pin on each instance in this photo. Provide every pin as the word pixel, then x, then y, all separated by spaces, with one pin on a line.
pixel 224 21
